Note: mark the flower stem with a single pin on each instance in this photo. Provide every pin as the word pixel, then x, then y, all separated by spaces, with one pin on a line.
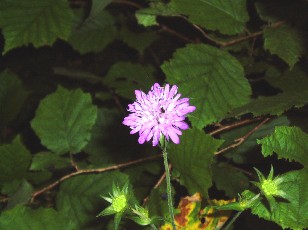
pixel 232 221
pixel 170 205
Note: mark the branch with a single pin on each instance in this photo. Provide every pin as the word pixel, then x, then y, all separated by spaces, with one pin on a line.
pixel 234 125
pixel 86 171
pixel 240 140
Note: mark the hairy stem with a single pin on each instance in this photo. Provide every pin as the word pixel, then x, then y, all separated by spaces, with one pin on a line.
pixel 170 205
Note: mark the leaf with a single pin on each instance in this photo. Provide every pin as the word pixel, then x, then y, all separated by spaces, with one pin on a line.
pixel 126 77
pixel 244 152
pixel 229 17
pixel 290 143
pixel 212 78
pixel 12 97
pixel 290 48
pixel 45 160
pixel 94 34
pixel 292 83
pixel 21 196
pixel 79 197
pixel 293 212
pixel 229 180
pixel 34 21
pixel 64 119
pixel 23 218
pixel 98 6
pixel 193 159
pixel 15 161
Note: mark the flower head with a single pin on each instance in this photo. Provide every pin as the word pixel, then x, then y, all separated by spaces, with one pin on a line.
pixel 160 112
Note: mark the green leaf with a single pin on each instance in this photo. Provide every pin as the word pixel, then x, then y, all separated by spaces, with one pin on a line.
pixel 12 97
pixel 292 83
pixel 229 180
pixel 193 159
pixel 23 218
pixel 79 197
pixel 290 143
pixel 244 153
pixel 15 161
pixel 158 203
pixel 94 34
pixel 290 48
pixel 34 21
pixel 45 160
pixel 126 77
pixel 21 196
pixel 98 6
pixel 229 17
pixel 64 119
pixel 212 78
pixel 293 212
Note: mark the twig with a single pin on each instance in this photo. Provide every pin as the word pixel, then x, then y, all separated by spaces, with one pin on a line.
pixel 234 125
pixel 86 171
pixel 118 103
pixel 158 183
pixel 177 34
pixel 240 140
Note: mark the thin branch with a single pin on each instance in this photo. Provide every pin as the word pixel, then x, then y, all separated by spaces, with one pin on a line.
pixel 177 34
pixel 158 183
pixel 240 140
pixel 234 125
pixel 4 199
pixel 86 171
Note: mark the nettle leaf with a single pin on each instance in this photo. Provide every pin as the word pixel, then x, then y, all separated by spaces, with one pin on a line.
pixel 64 119
pixel 12 97
pixel 94 34
pixel 212 78
pixel 126 77
pixel 293 212
pixel 79 197
pixel 229 180
pixel 290 48
pixel 23 218
pixel 244 153
pixel 34 21
pixel 15 161
pixel 295 94
pixel 193 159
pixel 45 160
pixel 229 17
pixel 288 142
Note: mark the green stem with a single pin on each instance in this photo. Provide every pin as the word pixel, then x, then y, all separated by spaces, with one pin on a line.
pixel 232 221
pixel 170 205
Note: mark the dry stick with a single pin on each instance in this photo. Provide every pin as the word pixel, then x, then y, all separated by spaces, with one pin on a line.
pixel 85 171
pixel 240 140
pixel 158 183
pixel 4 199
pixel 234 125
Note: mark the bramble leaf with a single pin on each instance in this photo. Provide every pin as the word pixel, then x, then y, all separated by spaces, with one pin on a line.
pixel 45 160
pixel 15 161
pixel 288 142
pixel 212 78
pixel 23 218
pixel 64 120
pixel 193 159
pixel 34 21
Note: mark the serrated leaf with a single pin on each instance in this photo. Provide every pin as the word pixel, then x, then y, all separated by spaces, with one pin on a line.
pixel 45 160
pixel 94 34
pixel 98 6
pixel 244 153
pixel 12 97
pixel 22 195
pixel 126 77
pixel 23 218
pixel 193 159
pixel 212 78
pixel 15 161
pixel 293 212
pixel 229 180
pixel 64 119
pixel 288 142
pixel 229 17
pixel 284 41
pixel 79 197
pixel 34 21
pixel 292 83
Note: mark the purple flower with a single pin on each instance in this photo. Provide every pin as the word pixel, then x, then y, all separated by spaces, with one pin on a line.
pixel 160 112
